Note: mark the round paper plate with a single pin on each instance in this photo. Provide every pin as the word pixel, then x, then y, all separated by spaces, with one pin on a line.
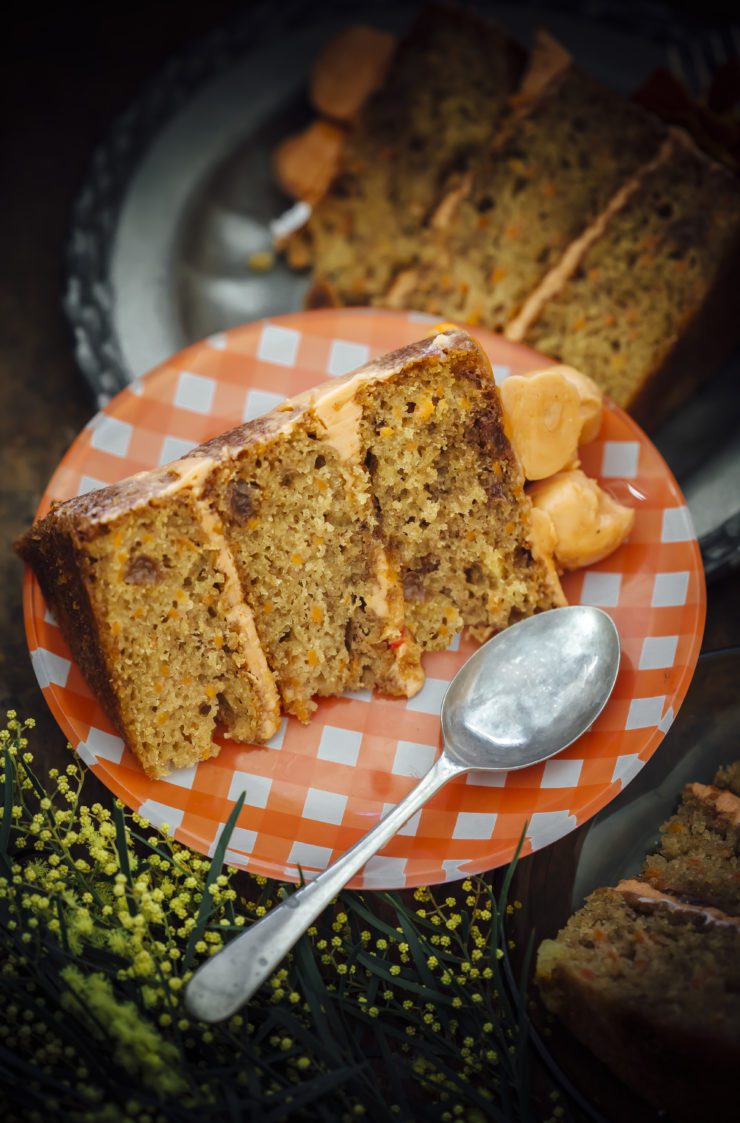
pixel 315 789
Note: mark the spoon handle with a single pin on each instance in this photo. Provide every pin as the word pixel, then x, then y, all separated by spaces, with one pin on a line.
pixel 224 983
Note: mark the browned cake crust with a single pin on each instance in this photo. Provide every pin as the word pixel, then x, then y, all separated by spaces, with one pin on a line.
pixel 314 550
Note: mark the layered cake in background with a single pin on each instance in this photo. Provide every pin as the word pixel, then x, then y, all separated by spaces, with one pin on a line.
pixel 548 175
pixel 535 202
pixel 413 142
pixel 679 232
pixel 647 974
pixel 317 549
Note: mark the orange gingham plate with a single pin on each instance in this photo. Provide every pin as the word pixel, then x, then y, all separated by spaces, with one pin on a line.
pixel 315 789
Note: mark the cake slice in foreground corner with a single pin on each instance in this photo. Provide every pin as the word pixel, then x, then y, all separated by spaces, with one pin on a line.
pixel 315 550
pixel 647 974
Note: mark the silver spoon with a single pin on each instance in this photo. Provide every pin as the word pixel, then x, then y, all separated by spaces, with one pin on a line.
pixel 525 695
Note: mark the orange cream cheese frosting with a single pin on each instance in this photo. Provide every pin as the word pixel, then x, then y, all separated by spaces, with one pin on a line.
pixel 590 401
pixel 240 618
pixel 349 68
pixel 549 413
pixel 305 164
pixel 641 893
pixel 544 543
pixel 588 524
pixel 724 803
pixel 543 421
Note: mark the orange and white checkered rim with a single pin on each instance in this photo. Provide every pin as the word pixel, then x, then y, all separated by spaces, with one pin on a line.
pixel 315 789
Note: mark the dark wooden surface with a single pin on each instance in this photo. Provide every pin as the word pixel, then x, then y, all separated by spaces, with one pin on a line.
pixel 65 77
pixel 65 81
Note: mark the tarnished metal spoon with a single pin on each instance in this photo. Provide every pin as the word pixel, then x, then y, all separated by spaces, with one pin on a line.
pixel 525 695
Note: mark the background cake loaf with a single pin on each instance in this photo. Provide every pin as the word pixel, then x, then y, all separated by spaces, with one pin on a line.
pixel 543 205
pixel 414 141
pixel 549 174
pixel 679 231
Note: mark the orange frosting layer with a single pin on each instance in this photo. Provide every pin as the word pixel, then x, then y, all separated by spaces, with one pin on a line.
pixel 640 892
pixel 725 803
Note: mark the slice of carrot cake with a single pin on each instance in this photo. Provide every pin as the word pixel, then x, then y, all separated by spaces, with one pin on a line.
pixel 147 596
pixel 647 974
pixel 699 856
pixel 314 550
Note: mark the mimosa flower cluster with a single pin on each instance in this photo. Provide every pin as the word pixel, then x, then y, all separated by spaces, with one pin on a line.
pixel 392 1005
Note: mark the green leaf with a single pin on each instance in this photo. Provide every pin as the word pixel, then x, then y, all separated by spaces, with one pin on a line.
pixel 309 1091
pixel 511 868
pixel 62 924
pixel 352 901
pixel 38 787
pixel 390 1068
pixel 523 1056
pixel 121 841
pixel 122 850
pixel 206 901
pixel 234 1107
pixel 380 967
pixel 326 1024
pixel 168 856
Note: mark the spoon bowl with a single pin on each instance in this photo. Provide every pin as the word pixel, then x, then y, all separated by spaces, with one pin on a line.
pixel 505 709
pixel 525 695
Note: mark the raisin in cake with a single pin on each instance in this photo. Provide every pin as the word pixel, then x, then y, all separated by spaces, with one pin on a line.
pixel 318 549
